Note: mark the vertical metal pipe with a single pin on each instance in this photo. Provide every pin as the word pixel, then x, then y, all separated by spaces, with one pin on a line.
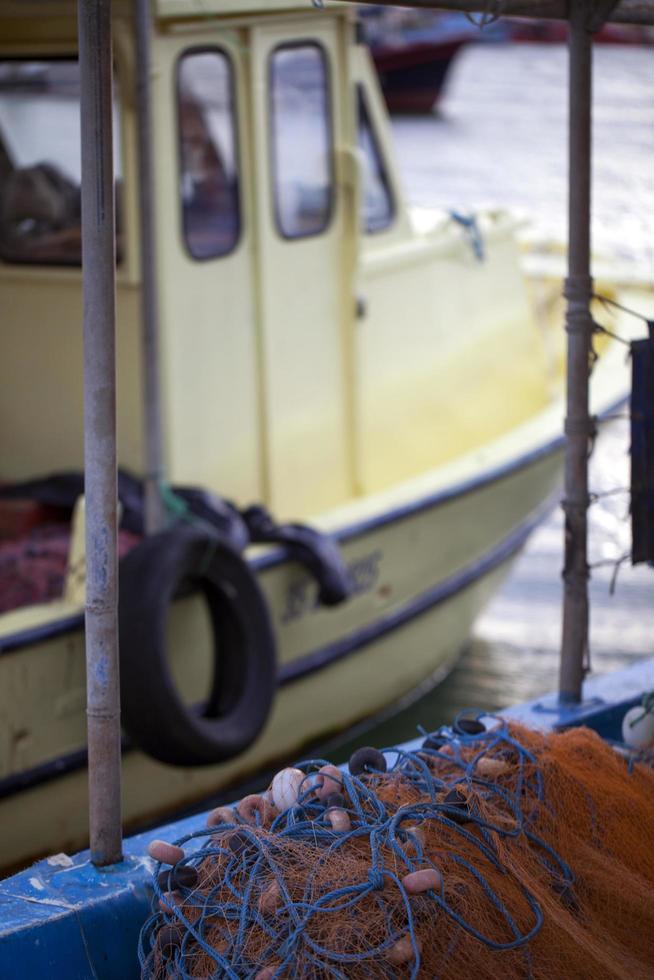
pixel 154 512
pixel 578 291
pixel 98 277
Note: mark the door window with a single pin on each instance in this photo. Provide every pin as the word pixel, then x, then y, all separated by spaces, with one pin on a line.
pixel 209 180
pixel 301 139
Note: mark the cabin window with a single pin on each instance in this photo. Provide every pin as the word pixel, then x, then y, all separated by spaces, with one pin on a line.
pixel 40 162
pixel 209 182
pixel 301 139
pixel 377 204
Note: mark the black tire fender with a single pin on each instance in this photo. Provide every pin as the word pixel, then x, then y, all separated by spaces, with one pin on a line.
pixel 244 666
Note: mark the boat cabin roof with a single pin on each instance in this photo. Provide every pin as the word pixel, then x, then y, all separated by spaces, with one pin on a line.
pixel 175 9
pixel 167 9
pixel 48 22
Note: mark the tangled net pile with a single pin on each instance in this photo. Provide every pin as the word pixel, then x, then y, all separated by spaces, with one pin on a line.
pixel 536 855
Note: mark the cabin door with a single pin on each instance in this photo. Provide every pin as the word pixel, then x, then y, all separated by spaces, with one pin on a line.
pixel 304 267
pixel 210 360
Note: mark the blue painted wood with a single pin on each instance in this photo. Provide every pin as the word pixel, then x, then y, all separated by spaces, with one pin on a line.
pixel 606 698
pixel 63 919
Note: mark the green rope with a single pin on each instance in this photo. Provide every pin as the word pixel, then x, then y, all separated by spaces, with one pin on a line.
pixel 174 504
pixel 647 704
pixel 177 507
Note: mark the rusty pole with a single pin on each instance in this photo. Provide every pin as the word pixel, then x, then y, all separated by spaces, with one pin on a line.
pixel 154 511
pixel 100 484
pixel 579 326
pixel 625 12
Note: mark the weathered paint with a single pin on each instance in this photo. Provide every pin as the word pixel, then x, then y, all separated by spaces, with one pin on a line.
pixel 100 453
pixel 67 920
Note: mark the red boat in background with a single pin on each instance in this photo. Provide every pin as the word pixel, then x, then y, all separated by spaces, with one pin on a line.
pixel 413 52
pixel 556 32
pixel 412 76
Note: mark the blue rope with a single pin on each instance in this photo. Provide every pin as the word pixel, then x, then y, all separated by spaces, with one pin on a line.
pixel 395 847
pixel 470 225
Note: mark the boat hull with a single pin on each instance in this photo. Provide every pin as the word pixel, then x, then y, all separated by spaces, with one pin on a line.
pixel 422 570
pixel 413 76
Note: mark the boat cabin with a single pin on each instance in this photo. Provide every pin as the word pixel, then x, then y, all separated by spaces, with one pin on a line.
pixel 311 338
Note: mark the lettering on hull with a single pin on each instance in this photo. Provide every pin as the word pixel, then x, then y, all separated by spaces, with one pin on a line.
pixel 302 596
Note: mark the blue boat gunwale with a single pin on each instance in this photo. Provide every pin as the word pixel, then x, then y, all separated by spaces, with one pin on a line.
pixel 71 919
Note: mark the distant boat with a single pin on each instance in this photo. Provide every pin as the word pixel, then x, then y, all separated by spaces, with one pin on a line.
pixel 413 53
pixel 413 75
pixel 413 59
pixel 556 32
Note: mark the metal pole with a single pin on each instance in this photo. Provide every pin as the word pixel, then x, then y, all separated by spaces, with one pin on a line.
pixel 626 12
pixel 579 325
pixel 98 276
pixel 154 512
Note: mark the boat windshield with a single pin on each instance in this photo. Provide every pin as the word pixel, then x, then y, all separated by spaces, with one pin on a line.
pixel 40 162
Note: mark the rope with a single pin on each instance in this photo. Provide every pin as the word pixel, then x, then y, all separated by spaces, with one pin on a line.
pixel 607 302
pixel 471 226
pixel 647 705
pixel 177 508
pixel 598 328
pixel 492 12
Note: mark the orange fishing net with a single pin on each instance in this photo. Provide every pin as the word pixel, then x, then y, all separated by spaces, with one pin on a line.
pixel 500 853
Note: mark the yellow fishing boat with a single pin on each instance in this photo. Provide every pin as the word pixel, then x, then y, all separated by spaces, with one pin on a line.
pixel 388 386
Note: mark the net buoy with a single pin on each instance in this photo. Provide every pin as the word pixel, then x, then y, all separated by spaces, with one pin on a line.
pixel 423 880
pixel 638 725
pixel 366 760
pixel 285 788
pixel 403 951
pixel 256 810
pixel 181 876
pixel 329 780
pixel 166 853
pixel 468 726
pixel 221 815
